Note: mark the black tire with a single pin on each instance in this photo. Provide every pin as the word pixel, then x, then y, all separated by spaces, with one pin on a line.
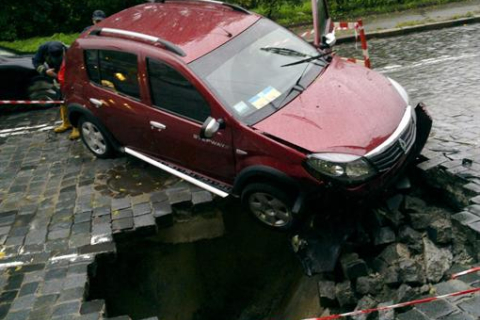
pixel 270 206
pixel 95 137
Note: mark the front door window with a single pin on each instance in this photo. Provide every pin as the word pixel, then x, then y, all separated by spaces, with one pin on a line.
pixel 175 94
pixel 177 114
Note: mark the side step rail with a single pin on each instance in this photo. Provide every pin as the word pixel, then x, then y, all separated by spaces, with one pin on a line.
pixel 177 173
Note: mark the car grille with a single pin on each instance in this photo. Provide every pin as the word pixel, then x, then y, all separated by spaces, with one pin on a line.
pixel 393 153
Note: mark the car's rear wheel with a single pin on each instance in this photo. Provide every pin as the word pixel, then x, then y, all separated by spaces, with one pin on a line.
pixel 270 205
pixel 95 138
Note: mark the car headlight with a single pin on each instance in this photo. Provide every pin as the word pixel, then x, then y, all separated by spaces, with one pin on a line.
pixel 401 90
pixel 343 167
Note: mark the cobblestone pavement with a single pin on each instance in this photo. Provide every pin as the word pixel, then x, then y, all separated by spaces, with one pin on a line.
pixel 59 206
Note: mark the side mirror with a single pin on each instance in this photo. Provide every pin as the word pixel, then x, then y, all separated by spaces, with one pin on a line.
pixel 210 127
pixel 329 40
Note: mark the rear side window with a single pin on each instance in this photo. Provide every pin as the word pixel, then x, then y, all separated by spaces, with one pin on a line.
pixel 113 70
pixel 173 92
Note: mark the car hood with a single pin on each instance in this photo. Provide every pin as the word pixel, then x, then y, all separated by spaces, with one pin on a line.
pixel 347 109
pixel 17 61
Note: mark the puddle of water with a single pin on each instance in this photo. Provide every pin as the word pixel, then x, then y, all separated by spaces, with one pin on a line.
pixel 133 178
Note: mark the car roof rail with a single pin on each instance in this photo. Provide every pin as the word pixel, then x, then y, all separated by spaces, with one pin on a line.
pixel 140 36
pixel 235 7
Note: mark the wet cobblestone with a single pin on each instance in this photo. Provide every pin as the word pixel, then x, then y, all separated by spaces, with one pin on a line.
pixel 59 208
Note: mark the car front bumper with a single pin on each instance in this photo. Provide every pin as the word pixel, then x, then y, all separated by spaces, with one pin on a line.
pixel 379 184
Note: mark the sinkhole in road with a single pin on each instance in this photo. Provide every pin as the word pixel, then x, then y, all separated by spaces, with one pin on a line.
pixel 396 250
pixel 248 272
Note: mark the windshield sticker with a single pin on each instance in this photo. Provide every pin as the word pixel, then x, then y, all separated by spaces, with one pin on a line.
pixel 265 97
pixel 241 108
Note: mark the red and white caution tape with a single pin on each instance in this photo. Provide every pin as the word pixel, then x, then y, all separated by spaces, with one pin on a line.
pixel 307 33
pixel 346 25
pixel 399 305
pixel 463 273
pixel 28 102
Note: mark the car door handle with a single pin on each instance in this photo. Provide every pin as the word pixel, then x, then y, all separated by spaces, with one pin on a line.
pixel 96 102
pixel 157 125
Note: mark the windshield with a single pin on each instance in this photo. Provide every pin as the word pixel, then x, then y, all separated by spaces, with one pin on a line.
pixel 249 74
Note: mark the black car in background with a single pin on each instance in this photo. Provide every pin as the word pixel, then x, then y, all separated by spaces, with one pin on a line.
pixel 20 81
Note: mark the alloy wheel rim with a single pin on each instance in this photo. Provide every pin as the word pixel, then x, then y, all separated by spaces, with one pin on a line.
pixel 270 210
pixel 94 138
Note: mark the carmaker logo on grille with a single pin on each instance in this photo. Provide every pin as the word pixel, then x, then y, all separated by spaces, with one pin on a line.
pixel 403 145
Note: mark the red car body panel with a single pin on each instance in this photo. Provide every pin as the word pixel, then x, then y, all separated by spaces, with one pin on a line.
pixel 195 27
pixel 347 109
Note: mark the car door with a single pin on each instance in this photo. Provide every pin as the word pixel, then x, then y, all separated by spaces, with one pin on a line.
pixel 176 117
pixel 114 94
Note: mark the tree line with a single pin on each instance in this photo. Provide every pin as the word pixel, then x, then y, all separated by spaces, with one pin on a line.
pixel 21 20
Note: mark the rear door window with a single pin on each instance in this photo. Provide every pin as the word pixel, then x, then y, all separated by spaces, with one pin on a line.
pixel 114 70
pixel 172 92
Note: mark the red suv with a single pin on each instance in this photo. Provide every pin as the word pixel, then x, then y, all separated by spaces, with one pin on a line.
pixel 236 104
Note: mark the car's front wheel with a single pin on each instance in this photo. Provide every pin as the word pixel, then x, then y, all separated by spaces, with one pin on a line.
pixel 270 205
pixel 95 138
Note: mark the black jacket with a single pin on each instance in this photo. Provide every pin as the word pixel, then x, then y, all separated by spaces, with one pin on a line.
pixel 50 53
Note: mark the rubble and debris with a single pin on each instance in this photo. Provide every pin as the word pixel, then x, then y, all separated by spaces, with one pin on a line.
pixel 440 231
pixel 353 267
pixel 345 294
pixel 326 292
pixel 400 252
pixel 437 261
pixel 384 235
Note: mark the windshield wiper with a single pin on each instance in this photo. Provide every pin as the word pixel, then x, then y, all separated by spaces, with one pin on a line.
pixel 296 87
pixel 284 52
pixel 318 56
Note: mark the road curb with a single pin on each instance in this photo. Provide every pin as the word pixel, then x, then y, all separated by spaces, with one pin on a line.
pixel 407 30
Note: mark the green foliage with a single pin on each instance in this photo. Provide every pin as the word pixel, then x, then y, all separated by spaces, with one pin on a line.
pixel 291 12
pixel 20 20
pixel 31 45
